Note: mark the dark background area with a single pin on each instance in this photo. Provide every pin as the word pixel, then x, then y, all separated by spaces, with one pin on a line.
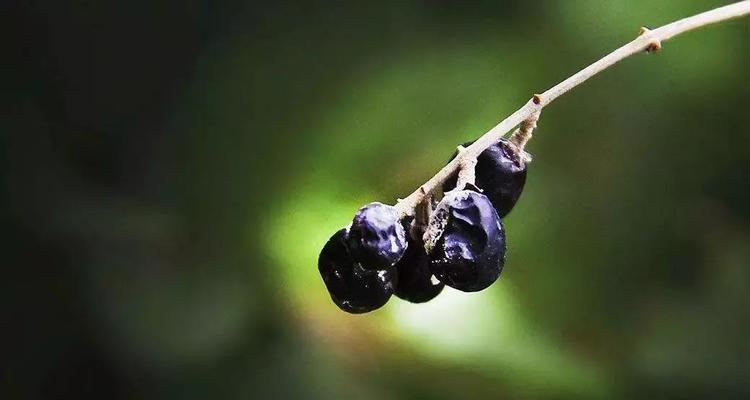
pixel 169 171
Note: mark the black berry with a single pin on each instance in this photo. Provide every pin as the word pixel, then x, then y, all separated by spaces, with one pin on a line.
pixel 465 241
pixel 415 279
pixel 500 173
pixel 377 239
pixel 353 288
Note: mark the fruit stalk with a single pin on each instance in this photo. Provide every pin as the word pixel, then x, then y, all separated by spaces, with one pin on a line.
pixel 523 134
pixel 648 40
pixel 466 173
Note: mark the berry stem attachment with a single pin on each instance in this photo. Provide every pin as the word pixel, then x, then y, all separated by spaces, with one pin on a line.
pixel 466 172
pixel 648 40
pixel 421 217
pixel 523 134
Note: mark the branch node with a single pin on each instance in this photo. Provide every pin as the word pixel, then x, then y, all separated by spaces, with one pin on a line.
pixel 536 99
pixel 653 46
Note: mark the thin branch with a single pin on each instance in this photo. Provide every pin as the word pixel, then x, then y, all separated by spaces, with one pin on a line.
pixel 648 40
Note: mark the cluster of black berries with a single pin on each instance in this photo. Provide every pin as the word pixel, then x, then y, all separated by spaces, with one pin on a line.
pixel 462 246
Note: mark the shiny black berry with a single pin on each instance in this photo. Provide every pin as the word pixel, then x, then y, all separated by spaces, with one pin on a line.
pixel 415 280
pixel 500 173
pixel 465 241
pixel 377 239
pixel 353 288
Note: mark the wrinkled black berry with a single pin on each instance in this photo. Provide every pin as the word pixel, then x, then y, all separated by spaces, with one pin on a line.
pixel 353 288
pixel 377 239
pixel 415 279
pixel 500 173
pixel 465 241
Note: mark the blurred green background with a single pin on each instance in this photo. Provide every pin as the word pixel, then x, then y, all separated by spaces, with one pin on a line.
pixel 169 171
